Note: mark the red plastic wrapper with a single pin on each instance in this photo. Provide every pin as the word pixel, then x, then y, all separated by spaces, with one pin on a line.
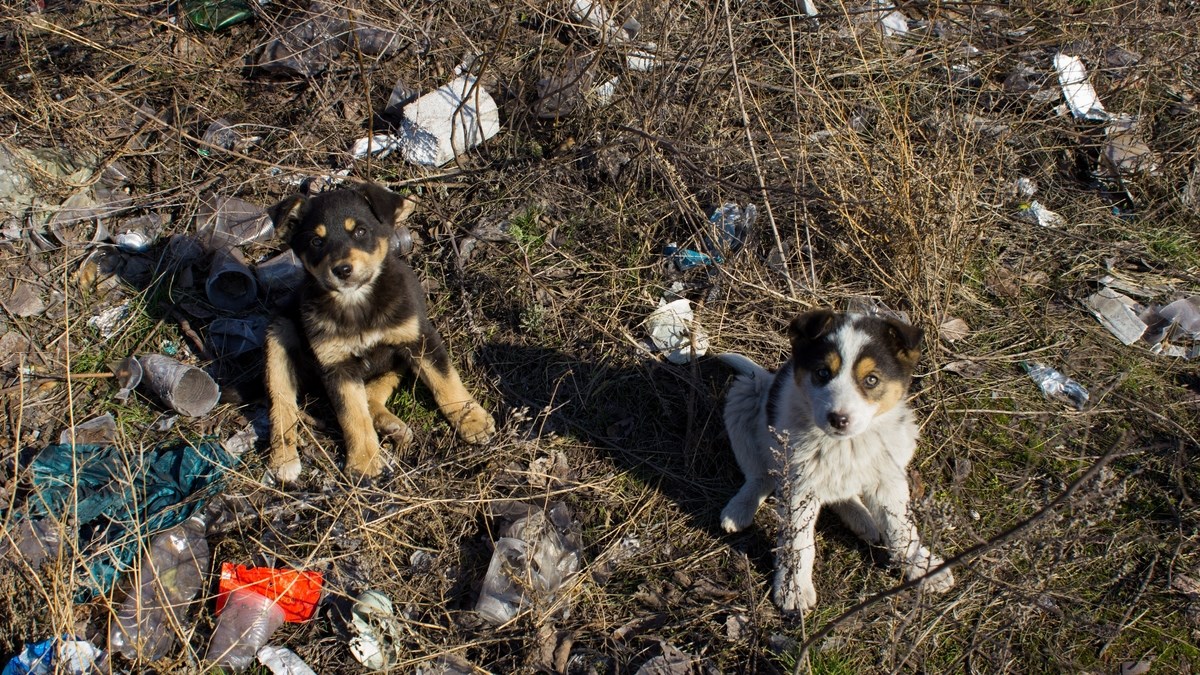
pixel 295 592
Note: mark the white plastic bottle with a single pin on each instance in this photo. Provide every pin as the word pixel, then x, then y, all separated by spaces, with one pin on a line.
pixel 172 573
pixel 244 626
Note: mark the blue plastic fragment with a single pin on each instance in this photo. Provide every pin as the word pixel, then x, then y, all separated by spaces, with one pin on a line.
pixel 728 229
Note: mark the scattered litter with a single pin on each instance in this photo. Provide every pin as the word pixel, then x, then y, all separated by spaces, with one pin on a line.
pixel 954 329
pixel 106 322
pixel 115 500
pixel 893 22
pixel 561 93
pixel 1054 383
pixel 372 40
pixel 674 662
pixel 128 375
pixel 642 59
pixel 1124 148
pixel 281 273
pixel 1153 325
pixel 537 552
pixel 215 15
pixel 306 43
pixel 967 369
pixel 1116 313
pixel 685 258
pixel 172 574
pixel 1185 315
pixel 737 627
pixel 983 125
pixel 439 125
pixel 448 664
pixel 100 430
pixel 873 305
pixel 1135 667
pixel 247 438
pixel 21 173
pixel 137 235
pixel 401 95
pixel 244 624
pixel 603 93
pixel 1026 188
pixel 34 540
pixel 25 301
pixel 670 329
pixel 449 121
pixel 590 13
pixel 1035 213
pixel 186 389
pixel 230 338
pixel 252 603
pixel 220 134
pixel 728 229
pixel 378 632
pixel 283 661
pixel 65 656
pixel 225 222
pixel 231 285
pixel 1080 96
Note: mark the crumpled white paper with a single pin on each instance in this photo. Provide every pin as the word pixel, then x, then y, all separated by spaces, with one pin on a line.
pixel 672 329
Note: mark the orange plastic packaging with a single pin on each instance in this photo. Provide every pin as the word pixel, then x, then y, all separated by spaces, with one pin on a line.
pixel 296 593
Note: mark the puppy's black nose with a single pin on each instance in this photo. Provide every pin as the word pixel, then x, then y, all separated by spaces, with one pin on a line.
pixel 342 271
pixel 839 421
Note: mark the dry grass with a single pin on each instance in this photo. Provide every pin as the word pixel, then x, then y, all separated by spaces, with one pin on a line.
pixel 872 176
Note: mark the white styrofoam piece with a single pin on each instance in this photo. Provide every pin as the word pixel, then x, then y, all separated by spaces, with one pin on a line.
pixel 448 121
pixel 1081 97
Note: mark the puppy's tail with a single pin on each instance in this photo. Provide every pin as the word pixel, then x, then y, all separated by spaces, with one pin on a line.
pixel 744 366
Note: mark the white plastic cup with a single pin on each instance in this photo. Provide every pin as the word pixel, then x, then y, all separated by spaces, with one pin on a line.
pixel 244 626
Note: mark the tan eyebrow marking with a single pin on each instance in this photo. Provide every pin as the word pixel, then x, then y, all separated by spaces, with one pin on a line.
pixel 865 366
pixel 319 230
pixel 350 225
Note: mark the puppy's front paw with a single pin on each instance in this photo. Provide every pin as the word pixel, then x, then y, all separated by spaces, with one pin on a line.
pixel 391 427
pixel 369 465
pixel 792 593
pixel 474 424
pixel 919 569
pixel 736 516
pixel 286 466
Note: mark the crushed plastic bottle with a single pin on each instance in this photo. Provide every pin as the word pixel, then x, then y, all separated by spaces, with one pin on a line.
pixel 244 626
pixel 172 573
pixel 1054 383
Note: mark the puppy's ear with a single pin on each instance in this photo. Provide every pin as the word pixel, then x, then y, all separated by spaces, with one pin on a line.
pixel 810 326
pixel 905 340
pixel 285 214
pixel 388 207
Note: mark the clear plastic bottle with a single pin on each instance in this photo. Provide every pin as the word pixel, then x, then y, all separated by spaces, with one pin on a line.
pixel 243 627
pixel 1054 383
pixel 172 573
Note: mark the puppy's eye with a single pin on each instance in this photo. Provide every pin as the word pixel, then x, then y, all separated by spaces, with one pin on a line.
pixel 360 232
pixel 870 381
pixel 824 374
pixel 316 242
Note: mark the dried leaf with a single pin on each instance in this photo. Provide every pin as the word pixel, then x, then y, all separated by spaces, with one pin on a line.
pixel 954 329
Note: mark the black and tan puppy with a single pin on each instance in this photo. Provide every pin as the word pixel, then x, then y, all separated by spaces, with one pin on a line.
pixel 359 318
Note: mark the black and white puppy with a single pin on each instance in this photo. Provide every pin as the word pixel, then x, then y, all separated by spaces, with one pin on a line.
pixel 839 404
